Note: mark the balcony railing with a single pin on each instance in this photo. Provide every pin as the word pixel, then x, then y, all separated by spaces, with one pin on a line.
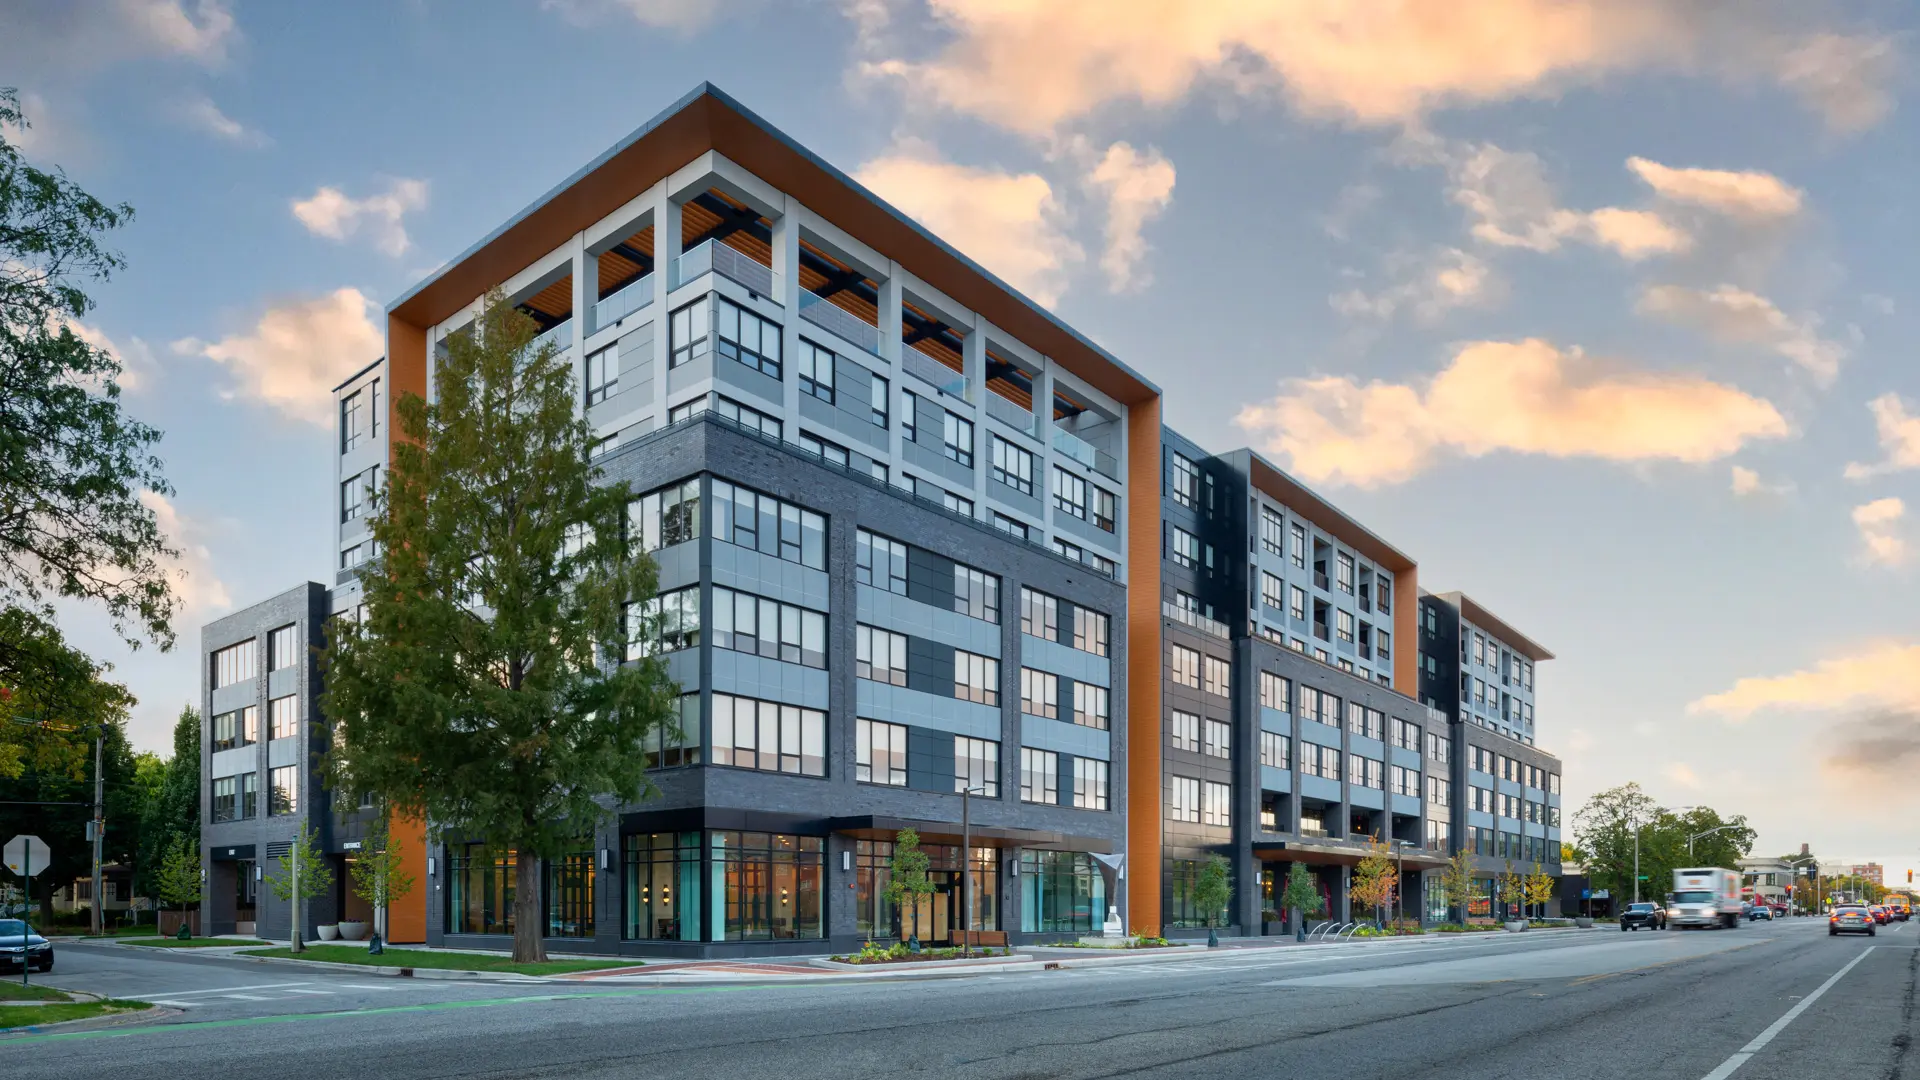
pixel 1194 619
pixel 711 255
pixel 561 336
pixel 835 319
pixel 1085 453
pixel 630 298
pixel 1010 414
pixel 934 373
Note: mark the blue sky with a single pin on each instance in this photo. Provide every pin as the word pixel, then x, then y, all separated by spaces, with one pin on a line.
pixel 1599 308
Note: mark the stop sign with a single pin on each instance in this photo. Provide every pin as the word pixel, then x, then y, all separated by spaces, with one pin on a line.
pixel 26 855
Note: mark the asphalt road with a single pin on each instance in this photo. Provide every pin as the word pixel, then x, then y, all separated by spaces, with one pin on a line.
pixel 1765 1002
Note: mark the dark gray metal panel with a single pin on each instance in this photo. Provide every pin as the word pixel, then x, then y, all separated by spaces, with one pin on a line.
pixel 929 667
pixel 929 760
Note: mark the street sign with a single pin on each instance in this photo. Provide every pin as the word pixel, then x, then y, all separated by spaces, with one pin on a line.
pixel 1602 894
pixel 1586 894
pixel 26 855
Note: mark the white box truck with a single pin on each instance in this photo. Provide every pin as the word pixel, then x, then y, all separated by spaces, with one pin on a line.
pixel 1707 896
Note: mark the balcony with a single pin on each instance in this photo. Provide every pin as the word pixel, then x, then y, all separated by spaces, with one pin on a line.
pixel 935 374
pixel 1084 452
pixel 712 256
pixel 1011 414
pixel 560 335
pixel 618 305
pixel 835 319
pixel 1194 619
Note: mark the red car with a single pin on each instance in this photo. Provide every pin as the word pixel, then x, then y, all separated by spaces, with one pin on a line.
pixel 1879 914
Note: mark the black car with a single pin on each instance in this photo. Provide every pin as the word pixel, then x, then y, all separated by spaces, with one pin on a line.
pixel 1639 915
pixel 20 945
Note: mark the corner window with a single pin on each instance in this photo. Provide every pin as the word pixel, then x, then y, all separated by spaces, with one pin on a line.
pixel 603 375
pixel 748 338
pixel 688 332
pixel 816 371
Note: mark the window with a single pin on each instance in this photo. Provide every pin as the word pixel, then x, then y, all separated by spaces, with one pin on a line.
pixel 877 401
pixel 688 330
pixel 603 375
pixel 1039 615
pixel 976 765
pixel 1090 631
pixel 746 518
pixel 1322 761
pixel 1365 772
pixel 744 415
pixel 233 664
pixel 1553 783
pixel 283 648
pixel 1343 626
pixel 880 755
pixel 1382 598
pixel 1219 739
pixel 1089 783
pixel 1185 731
pixel 1039 694
pixel 1343 572
pixel 667 623
pixel 816 371
pixel 880 562
pixel 1183 801
pixel 743 622
pixel 1297 549
pixel 1439 747
pixel 1297 603
pixel 1406 736
pixel 283 791
pixel 1272 531
pixel 1218 807
pixel 1105 509
pixel 769 736
pixel 236 798
pixel 1272 591
pixel 976 678
pixel 772 884
pixel 1039 776
pixel 1090 706
pixel 283 717
pixel 1069 493
pixel 1439 835
pixel 1439 791
pixel 1185 548
pixel 1184 481
pixel 748 338
pixel 956 438
pixel 910 415
pixel 241 727
pixel 1405 781
pixel 1479 649
pixel 976 593
pixel 1276 692
pixel 1217 676
pixel 1012 465
pixel 1275 750
pixel 880 655
pixel 1186 666
pixel 671 515
pixel 1012 527
pixel 360 416
pixel 356 494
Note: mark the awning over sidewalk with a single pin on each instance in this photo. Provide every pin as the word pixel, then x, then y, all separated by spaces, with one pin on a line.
pixel 1315 852
pixel 876 827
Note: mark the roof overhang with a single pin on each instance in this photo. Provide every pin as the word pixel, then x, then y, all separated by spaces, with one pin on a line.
pixel 1479 616
pixel 708 120
pixel 1337 853
pixel 877 827
pixel 1270 479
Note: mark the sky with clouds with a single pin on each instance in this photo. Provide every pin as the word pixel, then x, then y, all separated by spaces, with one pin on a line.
pixel 1599 308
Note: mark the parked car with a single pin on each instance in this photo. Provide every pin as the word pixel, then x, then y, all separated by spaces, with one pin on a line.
pixel 1759 911
pixel 1850 919
pixel 1639 915
pixel 20 945
pixel 1879 913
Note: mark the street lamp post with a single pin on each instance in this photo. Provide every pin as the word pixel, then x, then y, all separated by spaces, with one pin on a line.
pixel 1709 832
pixel 1400 882
pixel 1813 879
pixel 966 869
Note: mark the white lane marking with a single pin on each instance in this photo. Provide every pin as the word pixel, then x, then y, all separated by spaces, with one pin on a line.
pixel 175 1004
pixel 248 997
pixel 364 986
pixel 326 993
pixel 227 989
pixel 1761 1040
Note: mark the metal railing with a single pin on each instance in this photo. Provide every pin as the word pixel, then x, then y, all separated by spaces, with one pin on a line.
pixel 1194 619
pixel 934 374
pixel 835 319
pixel 1085 453
pixel 711 255
pixel 628 299
pixel 1010 413
pixel 561 336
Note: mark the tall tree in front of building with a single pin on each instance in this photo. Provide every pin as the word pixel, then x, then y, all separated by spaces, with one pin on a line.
pixel 1457 882
pixel 170 817
pixel 488 690
pixel 1374 883
pixel 78 476
pixel 1302 897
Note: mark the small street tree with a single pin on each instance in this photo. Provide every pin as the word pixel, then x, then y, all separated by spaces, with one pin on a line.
pixel 1540 889
pixel 504 681
pixel 380 875
pixel 1513 890
pixel 177 881
pixel 909 883
pixel 1301 897
pixel 1457 882
pixel 1213 890
pixel 1374 881
pixel 300 875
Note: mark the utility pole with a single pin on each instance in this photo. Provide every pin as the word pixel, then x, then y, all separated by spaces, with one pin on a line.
pixel 99 832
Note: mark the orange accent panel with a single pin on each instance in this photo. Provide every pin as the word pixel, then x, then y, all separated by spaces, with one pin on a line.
pixel 1143 667
pixel 406 369
pixel 1406 632
pixel 407 916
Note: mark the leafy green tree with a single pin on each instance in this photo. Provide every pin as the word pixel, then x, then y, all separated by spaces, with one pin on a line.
pixel 379 874
pixel 909 883
pixel 1540 888
pixel 1301 896
pixel 492 687
pixel 1457 882
pixel 1213 890
pixel 77 473
pixel 178 881
pixel 300 875
pixel 1374 881
pixel 172 814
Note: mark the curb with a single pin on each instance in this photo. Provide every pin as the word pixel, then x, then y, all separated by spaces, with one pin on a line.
pixel 984 962
pixel 442 974
pixel 135 1016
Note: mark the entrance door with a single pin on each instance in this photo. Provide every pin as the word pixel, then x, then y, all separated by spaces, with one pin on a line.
pixel 935 914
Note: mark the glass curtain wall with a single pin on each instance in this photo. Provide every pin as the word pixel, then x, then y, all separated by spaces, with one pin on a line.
pixel 570 895
pixel 662 887
pixel 480 890
pixel 1061 892
pixel 766 886
pixel 939 914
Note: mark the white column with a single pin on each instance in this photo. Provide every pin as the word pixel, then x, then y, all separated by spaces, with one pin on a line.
pixel 786 285
pixel 889 315
pixel 974 361
pixel 583 294
pixel 666 248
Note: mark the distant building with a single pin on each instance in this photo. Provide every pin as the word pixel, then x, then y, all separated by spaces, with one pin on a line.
pixel 1872 871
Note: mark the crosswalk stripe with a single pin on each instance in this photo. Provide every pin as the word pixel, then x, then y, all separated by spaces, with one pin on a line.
pixel 176 1004
pixel 247 997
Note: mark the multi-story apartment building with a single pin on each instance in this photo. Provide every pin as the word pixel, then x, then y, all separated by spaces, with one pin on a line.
pixel 919 537
pixel 1479 672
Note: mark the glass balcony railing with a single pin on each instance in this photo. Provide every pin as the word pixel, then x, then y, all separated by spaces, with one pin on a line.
pixel 712 256
pixel 1010 413
pixel 835 319
pixel 934 373
pixel 1084 452
pixel 1194 619
pixel 632 297
pixel 561 336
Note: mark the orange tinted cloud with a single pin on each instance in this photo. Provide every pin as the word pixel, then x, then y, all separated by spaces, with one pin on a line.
pixel 1526 397
pixel 297 352
pixel 1738 194
pixel 1880 535
pixel 1884 674
pixel 1733 314
pixel 1899 434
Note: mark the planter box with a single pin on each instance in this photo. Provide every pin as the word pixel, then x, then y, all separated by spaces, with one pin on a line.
pixel 920 965
pixel 1583 923
pixel 328 932
pixel 1517 927
pixel 353 931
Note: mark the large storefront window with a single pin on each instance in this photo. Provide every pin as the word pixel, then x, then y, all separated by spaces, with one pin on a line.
pixel 1183 879
pixel 663 887
pixel 480 893
pixel 1436 894
pixel 1062 892
pixel 938 914
pixel 570 895
pixel 767 886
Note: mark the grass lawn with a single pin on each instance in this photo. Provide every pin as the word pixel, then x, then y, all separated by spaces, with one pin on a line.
pixel 19 1016
pixel 446 961
pixel 13 991
pixel 195 943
